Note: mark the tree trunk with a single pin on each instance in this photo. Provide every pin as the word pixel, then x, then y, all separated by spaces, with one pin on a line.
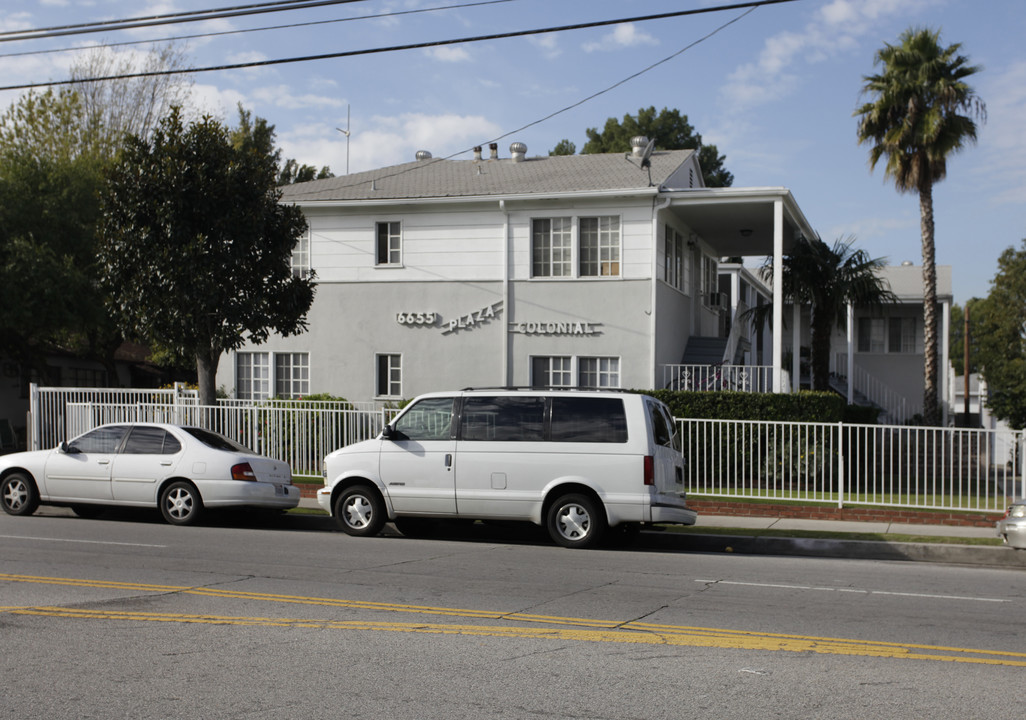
pixel 206 376
pixel 931 410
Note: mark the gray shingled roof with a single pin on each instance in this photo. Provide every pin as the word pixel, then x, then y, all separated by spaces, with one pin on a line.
pixel 471 178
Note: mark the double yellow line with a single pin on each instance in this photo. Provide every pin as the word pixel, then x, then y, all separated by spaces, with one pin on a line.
pixel 558 628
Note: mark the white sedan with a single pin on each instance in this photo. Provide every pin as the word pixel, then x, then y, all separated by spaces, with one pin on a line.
pixel 179 469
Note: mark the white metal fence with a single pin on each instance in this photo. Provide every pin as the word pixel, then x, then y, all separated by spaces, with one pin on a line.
pixel 882 465
pixel 699 378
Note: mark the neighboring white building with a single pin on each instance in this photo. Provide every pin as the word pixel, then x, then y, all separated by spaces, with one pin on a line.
pixel 583 270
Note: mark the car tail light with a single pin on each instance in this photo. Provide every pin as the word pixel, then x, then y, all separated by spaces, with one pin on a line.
pixel 649 470
pixel 243 471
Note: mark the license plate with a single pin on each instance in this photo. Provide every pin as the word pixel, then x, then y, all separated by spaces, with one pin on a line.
pixel 279 489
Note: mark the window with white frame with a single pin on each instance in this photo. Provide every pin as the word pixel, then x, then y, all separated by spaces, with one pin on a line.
pixel 291 375
pixel 598 372
pixel 252 376
pixel 710 281
pixel 561 370
pixel 388 244
pixel 389 375
pixel 301 256
pixel 676 260
pixel 550 247
pixel 599 246
pixel 903 336
pixel 872 335
pixel 552 372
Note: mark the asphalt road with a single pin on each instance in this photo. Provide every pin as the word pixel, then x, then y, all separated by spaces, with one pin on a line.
pixel 129 617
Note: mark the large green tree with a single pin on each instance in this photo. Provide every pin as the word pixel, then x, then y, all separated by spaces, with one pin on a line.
pixel 828 279
pixel 256 135
pixel 920 110
pixel 999 338
pixel 196 246
pixel 670 130
pixel 52 156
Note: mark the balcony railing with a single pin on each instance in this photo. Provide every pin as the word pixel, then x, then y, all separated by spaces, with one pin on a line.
pixel 715 378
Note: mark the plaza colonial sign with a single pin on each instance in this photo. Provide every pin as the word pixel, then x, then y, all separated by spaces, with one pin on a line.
pixel 561 327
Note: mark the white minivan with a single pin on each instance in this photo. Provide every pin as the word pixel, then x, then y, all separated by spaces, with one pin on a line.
pixel 577 462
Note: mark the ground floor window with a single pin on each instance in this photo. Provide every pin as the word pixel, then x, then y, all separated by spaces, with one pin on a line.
pixel 573 371
pixel 390 375
pixel 254 380
pixel 291 375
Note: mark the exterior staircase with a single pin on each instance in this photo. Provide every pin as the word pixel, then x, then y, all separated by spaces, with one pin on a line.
pixel 704 351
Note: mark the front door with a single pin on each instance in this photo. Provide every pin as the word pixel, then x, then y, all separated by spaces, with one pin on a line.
pixel 416 464
pixel 82 471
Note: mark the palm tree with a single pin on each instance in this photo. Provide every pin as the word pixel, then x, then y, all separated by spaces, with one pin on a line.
pixel 921 111
pixel 829 279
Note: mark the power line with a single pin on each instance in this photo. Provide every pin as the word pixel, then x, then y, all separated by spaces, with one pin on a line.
pixel 172 19
pixel 288 26
pixel 397 48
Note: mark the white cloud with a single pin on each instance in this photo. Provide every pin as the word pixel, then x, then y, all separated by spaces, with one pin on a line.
pixel 218 102
pixel 836 28
pixel 283 96
pixel 625 35
pixel 393 140
pixel 1001 141
pixel 448 53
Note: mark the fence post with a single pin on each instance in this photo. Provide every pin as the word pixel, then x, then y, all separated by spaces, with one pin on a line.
pixel 34 425
pixel 840 465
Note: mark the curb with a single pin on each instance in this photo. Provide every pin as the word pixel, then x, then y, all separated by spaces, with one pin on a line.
pixel 1001 557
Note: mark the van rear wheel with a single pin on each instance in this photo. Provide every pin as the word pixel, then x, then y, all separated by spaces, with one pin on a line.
pixel 576 521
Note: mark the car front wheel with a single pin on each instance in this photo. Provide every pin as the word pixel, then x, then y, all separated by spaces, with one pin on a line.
pixel 576 521
pixel 19 495
pixel 180 503
pixel 359 511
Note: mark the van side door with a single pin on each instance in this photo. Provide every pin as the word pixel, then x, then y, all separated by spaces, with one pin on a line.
pixel 416 462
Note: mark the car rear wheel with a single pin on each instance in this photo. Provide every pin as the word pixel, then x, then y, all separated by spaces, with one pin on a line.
pixel 19 495
pixel 359 511
pixel 180 503
pixel 576 521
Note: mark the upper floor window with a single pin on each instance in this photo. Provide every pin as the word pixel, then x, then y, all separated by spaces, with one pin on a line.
pixel 594 253
pixel 889 335
pixel 600 246
pixel 389 245
pixel 676 260
pixel 550 247
pixel 301 256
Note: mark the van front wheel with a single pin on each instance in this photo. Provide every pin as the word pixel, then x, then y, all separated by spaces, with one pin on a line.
pixel 359 511
pixel 576 521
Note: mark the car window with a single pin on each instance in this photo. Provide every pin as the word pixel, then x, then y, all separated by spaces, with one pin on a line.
pixel 517 419
pixel 588 419
pixel 661 430
pixel 429 419
pixel 151 441
pixel 103 440
pixel 216 440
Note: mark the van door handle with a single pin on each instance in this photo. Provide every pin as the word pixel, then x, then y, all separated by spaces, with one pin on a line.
pixel 448 461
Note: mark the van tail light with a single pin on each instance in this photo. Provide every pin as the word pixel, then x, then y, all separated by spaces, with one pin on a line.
pixel 649 470
pixel 243 471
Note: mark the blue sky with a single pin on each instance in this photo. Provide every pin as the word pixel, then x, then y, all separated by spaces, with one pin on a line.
pixel 774 91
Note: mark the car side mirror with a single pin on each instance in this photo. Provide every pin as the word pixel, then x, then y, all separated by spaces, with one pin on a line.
pixel 64 447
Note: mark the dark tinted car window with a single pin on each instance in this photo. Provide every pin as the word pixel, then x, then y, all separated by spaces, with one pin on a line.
pixel 429 419
pixel 216 441
pixel 104 440
pixel 151 441
pixel 588 419
pixel 503 419
pixel 663 433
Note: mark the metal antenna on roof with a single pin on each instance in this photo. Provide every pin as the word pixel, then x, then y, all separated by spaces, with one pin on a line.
pixel 646 159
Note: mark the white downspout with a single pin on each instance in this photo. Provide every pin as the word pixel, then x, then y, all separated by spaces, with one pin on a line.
pixel 656 209
pixel 506 381
pixel 778 296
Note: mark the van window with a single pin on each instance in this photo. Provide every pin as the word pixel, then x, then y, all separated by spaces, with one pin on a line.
pixel 661 431
pixel 588 419
pixel 508 419
pixel 429 419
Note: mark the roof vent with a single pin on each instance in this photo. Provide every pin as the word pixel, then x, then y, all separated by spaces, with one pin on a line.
pixel 518 151
pixel 638 144
pixel 423 154
pixel 494 148
pixel 477 153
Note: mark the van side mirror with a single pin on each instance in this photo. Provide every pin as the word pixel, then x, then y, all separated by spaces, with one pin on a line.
pixel 387 433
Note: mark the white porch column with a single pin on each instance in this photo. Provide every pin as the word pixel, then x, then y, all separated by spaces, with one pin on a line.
pixel 796 347
pixel 945 363
pixel 851 352
pixel 778 296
